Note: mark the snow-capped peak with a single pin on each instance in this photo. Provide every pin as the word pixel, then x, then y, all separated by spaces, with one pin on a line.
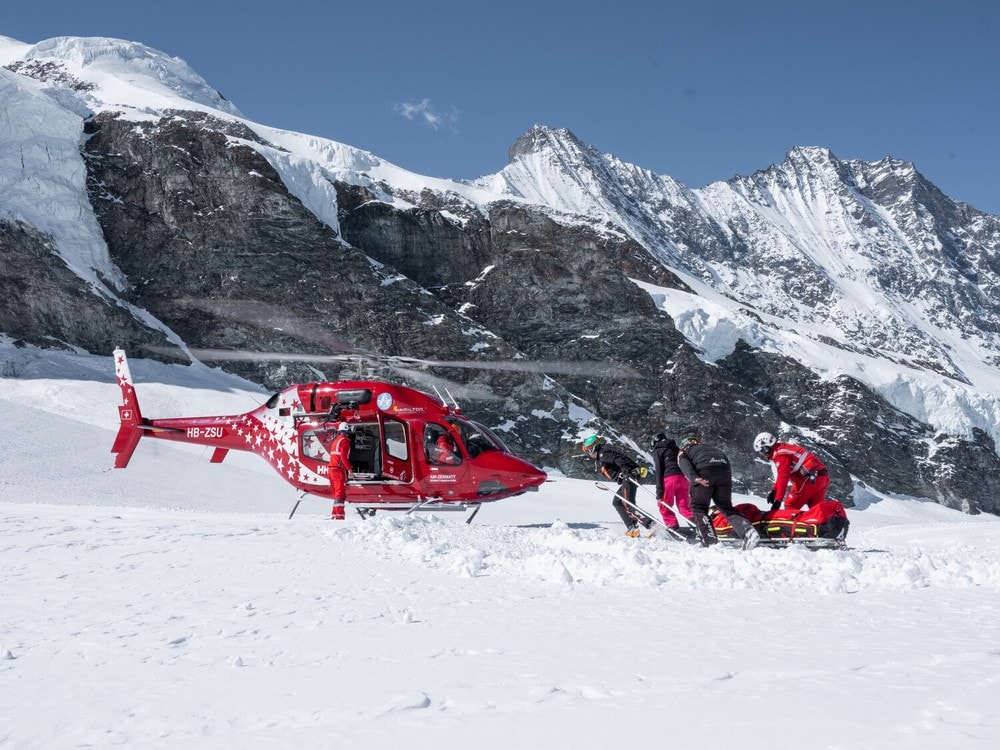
pixel 114 73
pixel 811 155
pixel 804 166
pixel 552 167
pixel 53 86
pixel 543 138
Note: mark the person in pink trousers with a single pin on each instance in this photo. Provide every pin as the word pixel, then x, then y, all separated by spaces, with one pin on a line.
pixel 671 484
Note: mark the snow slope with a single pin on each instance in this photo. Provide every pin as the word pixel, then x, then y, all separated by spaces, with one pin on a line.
pixel 174 604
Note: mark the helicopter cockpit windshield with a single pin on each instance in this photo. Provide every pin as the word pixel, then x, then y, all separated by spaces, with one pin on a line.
pixel 478 438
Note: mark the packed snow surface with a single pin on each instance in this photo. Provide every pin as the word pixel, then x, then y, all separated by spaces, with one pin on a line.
pixel 174 604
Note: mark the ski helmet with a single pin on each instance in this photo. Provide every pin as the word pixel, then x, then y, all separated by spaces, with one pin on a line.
pixel 687 440
pixel 658 437
pixel 343 427
pixel 763 443
pixel 591 444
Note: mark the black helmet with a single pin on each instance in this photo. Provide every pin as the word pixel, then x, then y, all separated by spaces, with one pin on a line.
pixel 657 438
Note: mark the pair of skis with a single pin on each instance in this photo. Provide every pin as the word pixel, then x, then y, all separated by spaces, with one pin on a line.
pixel 672 531
pixel 748 542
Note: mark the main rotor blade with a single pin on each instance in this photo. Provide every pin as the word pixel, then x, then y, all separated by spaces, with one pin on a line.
pixel 231 355
pixel 263 315
pixel 558 367
pixel 458 390
pixel 453 389
pixel 267 316
pixel 582 368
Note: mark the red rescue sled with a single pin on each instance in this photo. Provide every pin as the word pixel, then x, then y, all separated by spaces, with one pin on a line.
pixel 823 526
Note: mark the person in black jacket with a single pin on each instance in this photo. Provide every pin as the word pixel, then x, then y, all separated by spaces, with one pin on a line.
pixel 672 487
pixel 618 467
pixel 711 477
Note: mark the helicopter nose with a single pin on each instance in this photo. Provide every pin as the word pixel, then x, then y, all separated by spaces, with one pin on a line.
pixel 534 476
pixel 508 475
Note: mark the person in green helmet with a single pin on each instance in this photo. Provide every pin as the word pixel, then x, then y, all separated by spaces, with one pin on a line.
pixel 615 465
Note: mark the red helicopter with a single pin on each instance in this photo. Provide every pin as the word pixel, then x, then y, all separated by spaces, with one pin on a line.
pixel 394 431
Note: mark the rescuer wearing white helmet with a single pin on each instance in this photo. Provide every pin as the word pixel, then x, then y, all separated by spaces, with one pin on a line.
pixel 339 468
pixel 801 478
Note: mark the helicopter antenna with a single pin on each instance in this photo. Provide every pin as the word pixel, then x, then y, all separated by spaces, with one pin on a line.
pixel 439 393
pixel 453 401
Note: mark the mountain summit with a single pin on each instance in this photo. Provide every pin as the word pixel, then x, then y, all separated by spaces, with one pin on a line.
pixel 847 304
pixel 108 73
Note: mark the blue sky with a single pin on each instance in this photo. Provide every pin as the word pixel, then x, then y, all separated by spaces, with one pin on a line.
pixel 700 91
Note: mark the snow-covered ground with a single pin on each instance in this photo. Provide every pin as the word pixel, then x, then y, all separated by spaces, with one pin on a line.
pixel 174 604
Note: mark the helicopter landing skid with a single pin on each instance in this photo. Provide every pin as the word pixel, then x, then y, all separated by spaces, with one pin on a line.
pixel 430 504
pixel 367 510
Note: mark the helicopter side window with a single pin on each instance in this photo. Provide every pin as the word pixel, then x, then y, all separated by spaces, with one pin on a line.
pixel 439 446
pixel 395 440
pixel 315 444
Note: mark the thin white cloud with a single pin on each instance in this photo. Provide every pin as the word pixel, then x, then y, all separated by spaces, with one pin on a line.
pixel 425 111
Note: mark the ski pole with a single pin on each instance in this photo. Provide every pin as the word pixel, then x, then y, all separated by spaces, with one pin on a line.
pixel 673 507
pixel 646 514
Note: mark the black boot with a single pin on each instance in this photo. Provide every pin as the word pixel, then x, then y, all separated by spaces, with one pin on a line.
pixel 706 532
pixel 744 530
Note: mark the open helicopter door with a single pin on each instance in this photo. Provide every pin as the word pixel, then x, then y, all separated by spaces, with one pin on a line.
pixel 396 460
pixel 366 451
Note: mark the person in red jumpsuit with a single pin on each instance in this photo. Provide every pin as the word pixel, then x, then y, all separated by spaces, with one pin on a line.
pixel 339 469
pixel 801 477
pixel 445 451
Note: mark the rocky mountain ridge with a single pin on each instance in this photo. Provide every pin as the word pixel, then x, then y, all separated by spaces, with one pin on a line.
pixel 726 305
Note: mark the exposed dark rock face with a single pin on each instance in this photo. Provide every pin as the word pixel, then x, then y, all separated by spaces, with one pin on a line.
pixel 195 220
pixel 421 243
pixel 46 304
